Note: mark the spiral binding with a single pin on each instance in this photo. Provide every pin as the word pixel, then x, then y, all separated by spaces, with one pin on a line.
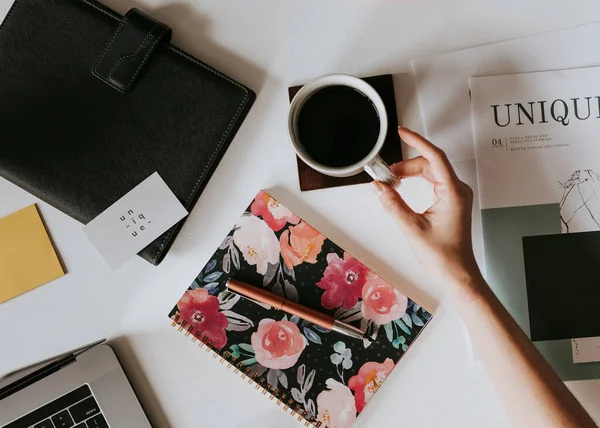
pixel 261 384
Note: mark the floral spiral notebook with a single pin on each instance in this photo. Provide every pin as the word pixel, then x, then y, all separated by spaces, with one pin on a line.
pixel 321 376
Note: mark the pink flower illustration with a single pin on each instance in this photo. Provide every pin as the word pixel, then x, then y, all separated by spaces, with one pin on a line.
pixel 272 212
pixel 200 309
pixel 257 242
pixel 368 380
pixel 382 303
pixel 335 407
pixel 277 344
pixel 342 281
pixel 299 244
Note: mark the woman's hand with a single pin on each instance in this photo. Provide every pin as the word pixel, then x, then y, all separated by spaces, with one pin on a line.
pixel 534 396
pixel 440 237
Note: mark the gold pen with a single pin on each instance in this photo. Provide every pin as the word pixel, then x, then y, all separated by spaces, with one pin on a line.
pixel 266 297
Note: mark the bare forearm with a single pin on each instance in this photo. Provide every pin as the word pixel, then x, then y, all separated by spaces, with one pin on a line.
pixel 532 393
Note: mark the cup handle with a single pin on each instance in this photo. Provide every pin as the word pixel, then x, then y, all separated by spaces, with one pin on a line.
pixel 381 171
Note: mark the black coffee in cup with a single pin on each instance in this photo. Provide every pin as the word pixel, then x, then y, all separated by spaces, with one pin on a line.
pixel 338 126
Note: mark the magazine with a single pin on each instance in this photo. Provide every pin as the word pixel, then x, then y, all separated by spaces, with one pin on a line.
pixel 537 144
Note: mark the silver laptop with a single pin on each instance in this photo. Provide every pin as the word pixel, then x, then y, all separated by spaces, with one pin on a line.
pixel 85 388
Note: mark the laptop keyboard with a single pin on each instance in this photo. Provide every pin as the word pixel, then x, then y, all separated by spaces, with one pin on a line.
pixel 76 409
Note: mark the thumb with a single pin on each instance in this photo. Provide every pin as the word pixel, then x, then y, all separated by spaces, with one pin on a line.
pixel 393 204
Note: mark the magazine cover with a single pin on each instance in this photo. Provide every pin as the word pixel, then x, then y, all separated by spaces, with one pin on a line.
pixel 537 141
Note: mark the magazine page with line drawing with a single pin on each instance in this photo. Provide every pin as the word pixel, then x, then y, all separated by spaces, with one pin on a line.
pixel 538 164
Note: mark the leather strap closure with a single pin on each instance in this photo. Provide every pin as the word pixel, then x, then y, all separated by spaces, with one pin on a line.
pixel 129 49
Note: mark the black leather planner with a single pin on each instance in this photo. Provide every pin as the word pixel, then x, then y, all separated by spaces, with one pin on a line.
pixel 92 103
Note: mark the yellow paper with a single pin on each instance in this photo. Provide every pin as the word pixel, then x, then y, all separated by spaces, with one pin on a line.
pixel 27 256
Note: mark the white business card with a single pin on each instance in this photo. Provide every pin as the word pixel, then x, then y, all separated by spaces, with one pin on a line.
pixel 135 220
pixel 586 350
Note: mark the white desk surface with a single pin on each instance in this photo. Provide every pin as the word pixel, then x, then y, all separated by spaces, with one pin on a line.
pixel 270 45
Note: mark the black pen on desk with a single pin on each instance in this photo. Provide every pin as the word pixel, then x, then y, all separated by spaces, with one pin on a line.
pixel 263 296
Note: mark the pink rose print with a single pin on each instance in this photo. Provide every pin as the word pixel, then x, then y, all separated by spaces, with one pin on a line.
pixel 277 344
pixel 342 281
pixel 382 303
pixel 272 212
pixel 368 380
pixel 200 309
pixel 299 244
pixel 336 406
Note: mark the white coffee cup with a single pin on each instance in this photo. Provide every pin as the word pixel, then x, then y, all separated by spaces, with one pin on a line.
pixel 373 164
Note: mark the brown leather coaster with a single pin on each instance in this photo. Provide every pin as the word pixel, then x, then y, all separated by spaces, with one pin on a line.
pixel 392 152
